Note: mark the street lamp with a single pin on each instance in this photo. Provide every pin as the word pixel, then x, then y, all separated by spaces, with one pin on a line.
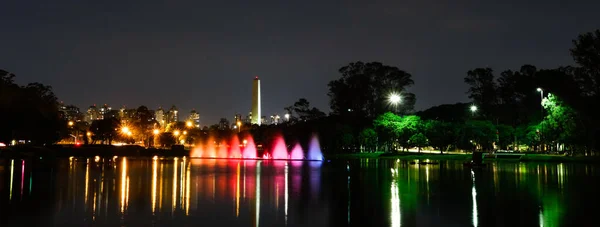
pixel 125 129
pixel 189 124
pixel 541 91
pixel 239 126
pixel 473 109
pixel 156 131
pixel 394 99
pixel 176 132
pixel 185 132
pixel 287 117
pixel 71 123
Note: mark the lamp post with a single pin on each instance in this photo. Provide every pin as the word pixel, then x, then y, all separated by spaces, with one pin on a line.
pixel 541 91
pixel 71 123
pixel 239 126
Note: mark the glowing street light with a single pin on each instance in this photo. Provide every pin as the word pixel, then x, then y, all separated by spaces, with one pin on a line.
pixel 473 108
pixel 176 132
pixel 287 117
pixel 129 133
pixel 239 126
pixel 185 132
pixel 156 131
pixel 88 133
pixel 71 123
pixel 189 124
pixel 541 91
pixel 125 129
pixel 394 99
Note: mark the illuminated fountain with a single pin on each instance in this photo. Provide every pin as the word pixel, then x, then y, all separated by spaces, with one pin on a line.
pixel 233 149
pixel 223 151
pixel 279 149
pixel 249 148
pixel 297 152
pixel 210 150
pixel 314 149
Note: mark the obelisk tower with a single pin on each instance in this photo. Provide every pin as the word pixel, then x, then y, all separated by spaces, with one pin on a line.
pixel 256 115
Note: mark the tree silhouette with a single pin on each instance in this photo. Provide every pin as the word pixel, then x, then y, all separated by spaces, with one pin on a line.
pixel 29 112
pixel 364 89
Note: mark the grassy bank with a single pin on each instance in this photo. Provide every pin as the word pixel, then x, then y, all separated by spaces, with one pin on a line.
pixel 558 158
pixel 466 157
pixel 406 156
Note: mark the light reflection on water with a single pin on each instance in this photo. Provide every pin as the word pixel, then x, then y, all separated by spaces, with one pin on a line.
pixel 174 191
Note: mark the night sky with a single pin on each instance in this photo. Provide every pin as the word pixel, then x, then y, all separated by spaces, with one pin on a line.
pixel 204 55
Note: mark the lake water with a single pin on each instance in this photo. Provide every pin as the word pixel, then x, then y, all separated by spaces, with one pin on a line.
pixel 202 192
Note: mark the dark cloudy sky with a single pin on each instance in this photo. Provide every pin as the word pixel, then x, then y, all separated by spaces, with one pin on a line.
pixel 204 54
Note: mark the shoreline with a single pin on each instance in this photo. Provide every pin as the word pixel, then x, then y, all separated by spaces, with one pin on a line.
pixel 90 151
pixel 138 151
pixel 467 157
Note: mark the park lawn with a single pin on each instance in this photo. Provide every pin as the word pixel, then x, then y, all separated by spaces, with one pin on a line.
pixel 464 157
pixel 401 155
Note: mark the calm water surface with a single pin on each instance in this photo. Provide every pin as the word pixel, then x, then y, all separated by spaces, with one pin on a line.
pixel 201 192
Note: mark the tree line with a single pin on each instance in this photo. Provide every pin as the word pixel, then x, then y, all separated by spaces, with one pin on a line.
pixel 528 109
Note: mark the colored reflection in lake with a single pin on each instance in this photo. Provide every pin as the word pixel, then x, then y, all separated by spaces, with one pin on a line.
pixel 212 192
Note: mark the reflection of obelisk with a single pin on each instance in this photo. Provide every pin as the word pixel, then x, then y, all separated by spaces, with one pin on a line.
pixel 256 116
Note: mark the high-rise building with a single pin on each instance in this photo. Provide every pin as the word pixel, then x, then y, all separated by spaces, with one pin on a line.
pixel 104 111
pixel 70 112
pixel 248 118
pixel 172 115
pixel 256 115
pixel 122 112
pixel 111 114
pixel 159 115
pixel 237 118
pixel 127 116
pixel 194 118
pixel 274 119
pixel 92 114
